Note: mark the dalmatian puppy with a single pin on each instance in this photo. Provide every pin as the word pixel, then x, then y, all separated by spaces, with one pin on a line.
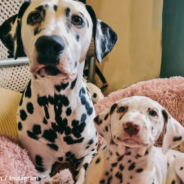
pixel 55 115
pixel 131 127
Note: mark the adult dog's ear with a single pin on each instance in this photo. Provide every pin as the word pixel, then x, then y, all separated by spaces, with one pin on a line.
pixel 103 123
pixel 104 37
pixel 10 31
pixel 174 134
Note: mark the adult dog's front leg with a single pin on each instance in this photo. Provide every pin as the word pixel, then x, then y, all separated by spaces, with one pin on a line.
pixel 80 168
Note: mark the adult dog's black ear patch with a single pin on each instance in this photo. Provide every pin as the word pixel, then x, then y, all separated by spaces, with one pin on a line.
pixel 104 37
pixel 10 32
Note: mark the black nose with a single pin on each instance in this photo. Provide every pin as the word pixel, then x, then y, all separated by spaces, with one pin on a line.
pixel 131 128
pixel 49 49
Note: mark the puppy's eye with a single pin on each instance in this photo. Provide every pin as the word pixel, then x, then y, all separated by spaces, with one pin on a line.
pixel 122 109
pixel 152 113
pixel 76 20
pixel 35 17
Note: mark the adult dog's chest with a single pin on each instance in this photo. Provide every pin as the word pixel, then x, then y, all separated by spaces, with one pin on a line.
pixel 62 118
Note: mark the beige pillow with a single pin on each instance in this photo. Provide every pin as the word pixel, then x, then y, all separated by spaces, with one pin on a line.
pixel 9 101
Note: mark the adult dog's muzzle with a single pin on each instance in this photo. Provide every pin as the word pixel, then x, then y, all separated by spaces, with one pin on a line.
pixel 49 49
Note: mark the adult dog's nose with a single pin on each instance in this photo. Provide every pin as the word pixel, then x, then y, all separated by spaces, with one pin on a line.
pixel 131 128
pixel 49 47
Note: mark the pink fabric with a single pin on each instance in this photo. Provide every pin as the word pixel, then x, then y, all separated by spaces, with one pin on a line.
pixel 14 162
pixel 168 92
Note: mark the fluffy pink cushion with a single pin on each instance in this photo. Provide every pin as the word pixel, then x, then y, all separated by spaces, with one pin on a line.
pixel 14 162
pixel 168 92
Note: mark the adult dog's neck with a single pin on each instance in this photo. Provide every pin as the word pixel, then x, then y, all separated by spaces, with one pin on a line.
pixel 53 85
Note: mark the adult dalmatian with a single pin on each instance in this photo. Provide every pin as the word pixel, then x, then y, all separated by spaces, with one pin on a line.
pixel 55 115
pixel 131 127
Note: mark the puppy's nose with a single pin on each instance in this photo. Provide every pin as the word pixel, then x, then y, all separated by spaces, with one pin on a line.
pixel 49 46
pixel 131 128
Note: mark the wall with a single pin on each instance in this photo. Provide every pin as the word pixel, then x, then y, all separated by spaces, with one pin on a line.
pixel 137 54
pixel 173 39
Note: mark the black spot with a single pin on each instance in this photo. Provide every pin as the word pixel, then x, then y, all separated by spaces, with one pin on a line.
pixel 68 111
pixel 114 164
pixel 107 173
pixel 68 130
pixel 113 107
pixel 49 135
pixel 75 123
pixel 45 121
pixel 63 86
pixel 85 166
pixel 38 160
pixel 28 90
pixel 91 142
pixel 73 83
pixel 42 101
pixel 60 159
pixel 21 100
pixel 121 167
pixel 181 168
pixel 83 117
pixel 55 8
pixel 32 135
pixel 165 115
pixel 65 100
pixel 69 140
pixel 77 37
pixel 36 31
pixel 87 147
pixel 23 115
pixel 146 153
pixel 97 120
pixel 102 181
pixel 68 154
pixel 106 116
pixel 131 177
pixel 173 182
pixel 177 138
pixel 119 176
pixel 109 180
pixel 37 129
pixel 20 126
pixel 77 130
pixel 97 160
pixel 51 100
pixel 106 128
pixel 139 170
pixel 120 158
pixel 128 153
pixel 94 95
pixel 67 12
pixel 132 166
pixel 53 146
pixel 30 108
pixel 83 100
pixel 40 169
pixel 129 161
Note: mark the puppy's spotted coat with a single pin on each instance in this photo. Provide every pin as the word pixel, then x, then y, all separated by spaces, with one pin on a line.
pixel 131 127
pixel 55 115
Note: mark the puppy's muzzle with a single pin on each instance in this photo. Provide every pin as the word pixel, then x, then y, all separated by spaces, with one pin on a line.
pixel 131 128
pixel 49 49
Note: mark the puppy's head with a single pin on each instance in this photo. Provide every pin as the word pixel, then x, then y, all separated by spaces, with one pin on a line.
pixel 56 36
pixel 138 122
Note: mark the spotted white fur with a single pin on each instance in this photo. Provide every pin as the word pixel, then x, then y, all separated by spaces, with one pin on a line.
pixel 55 115
pixel 131 127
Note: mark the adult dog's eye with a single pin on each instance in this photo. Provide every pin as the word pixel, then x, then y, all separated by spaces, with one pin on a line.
pixel 122 109
pixel 152 113
pixel 35 17
pixel 76 20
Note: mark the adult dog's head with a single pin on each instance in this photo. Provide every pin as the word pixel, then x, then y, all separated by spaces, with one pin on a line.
pixel 138 122
pixel 55 35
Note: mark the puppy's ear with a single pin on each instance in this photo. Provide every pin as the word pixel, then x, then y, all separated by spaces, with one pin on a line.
pixel 103 123
pixel 10 31
pixel 104 37
pixel 174 134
